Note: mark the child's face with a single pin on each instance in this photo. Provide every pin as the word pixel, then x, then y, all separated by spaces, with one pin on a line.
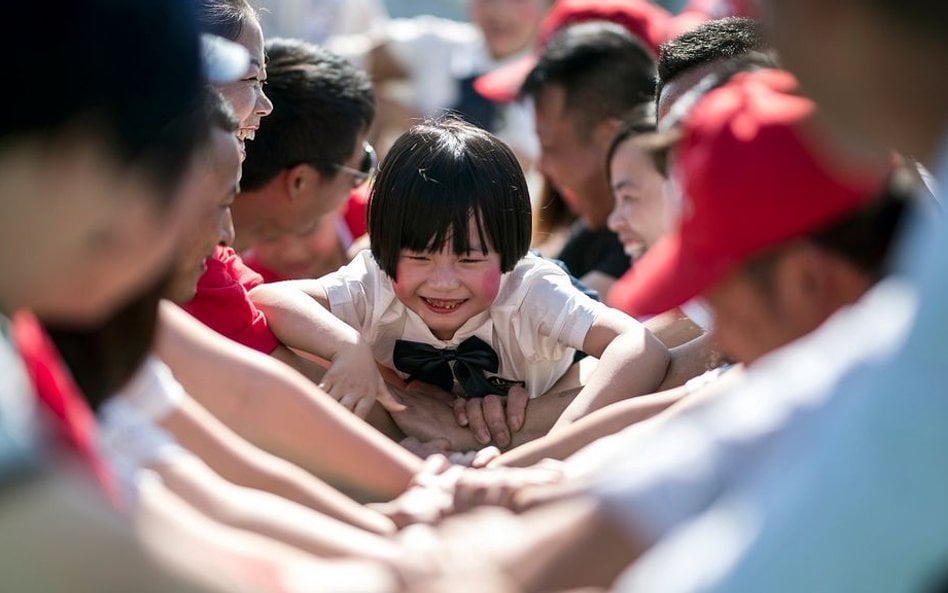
pixel 446 289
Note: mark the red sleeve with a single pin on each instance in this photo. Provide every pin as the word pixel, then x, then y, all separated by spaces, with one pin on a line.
pixel 355 211
pixel 221 302
pixel 268 275
pixel 59 395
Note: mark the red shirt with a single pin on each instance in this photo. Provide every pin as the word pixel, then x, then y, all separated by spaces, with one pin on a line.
pixel 73 420
pixel 221 302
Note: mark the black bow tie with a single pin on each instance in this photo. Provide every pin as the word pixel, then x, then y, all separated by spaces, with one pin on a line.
pixel 471 358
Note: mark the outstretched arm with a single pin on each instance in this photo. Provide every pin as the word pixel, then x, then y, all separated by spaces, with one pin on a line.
pixel 297 313
pixel 631 362
pixel 281 411
pixel 243 464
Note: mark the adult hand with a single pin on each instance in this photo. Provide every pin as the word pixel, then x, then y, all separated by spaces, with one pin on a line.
pixel 493 419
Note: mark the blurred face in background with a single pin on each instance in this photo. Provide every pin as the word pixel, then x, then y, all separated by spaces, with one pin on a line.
pixel 509 26
pixel 642 213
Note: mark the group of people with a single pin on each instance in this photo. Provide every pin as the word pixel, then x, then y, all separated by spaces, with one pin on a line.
pixel 242 351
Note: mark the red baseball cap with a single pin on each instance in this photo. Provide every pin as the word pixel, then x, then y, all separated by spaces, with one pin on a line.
pixel 644 20
pixel 749 182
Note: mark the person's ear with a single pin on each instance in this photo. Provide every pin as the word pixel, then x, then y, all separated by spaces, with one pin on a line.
pixel 804 285
pixel 300 180
pixel 606 130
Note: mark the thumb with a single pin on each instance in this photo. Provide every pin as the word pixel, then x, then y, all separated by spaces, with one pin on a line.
pixel 388 401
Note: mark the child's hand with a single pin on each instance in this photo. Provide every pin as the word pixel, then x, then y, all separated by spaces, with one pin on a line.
pixel 494 418
pixel 355 382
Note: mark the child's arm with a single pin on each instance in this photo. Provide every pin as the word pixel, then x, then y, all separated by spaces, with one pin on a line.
pixel 631 362
pixel 297 312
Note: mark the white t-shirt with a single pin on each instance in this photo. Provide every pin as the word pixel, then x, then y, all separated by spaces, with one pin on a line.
pixel 854 497
pixel 130 438
pixel 536 323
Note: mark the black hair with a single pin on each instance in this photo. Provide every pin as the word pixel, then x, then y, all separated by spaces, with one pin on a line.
pixel 927 18
pixel 225 18
pixel 321 103
pixel 631 130
pixel 605 71
pixel 128 72
pixel 102 359
pixel 713 40
pixel 435 178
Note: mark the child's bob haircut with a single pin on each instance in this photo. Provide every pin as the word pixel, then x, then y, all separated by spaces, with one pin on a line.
pixel 439 175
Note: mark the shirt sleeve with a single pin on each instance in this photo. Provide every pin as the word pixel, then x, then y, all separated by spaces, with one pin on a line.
pixel 222 303
pixel 351 289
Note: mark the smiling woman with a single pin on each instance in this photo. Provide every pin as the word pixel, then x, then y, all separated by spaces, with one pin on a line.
pixel 237 20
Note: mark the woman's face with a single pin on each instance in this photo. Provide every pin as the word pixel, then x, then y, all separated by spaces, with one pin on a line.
pixel 642 212
pixel 246 96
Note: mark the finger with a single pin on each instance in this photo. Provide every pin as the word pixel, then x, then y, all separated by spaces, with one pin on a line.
pixel 349 401
pixel 363 406
pixel 460 411
pixel 485 456
pixel 496 420
pixel 389 402
pixel 475 417
pixel 517 399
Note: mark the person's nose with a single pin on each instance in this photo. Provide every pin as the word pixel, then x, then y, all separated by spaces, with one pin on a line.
pixel 263 106
pixel 616 221
pixel 443 277
pixel 227 231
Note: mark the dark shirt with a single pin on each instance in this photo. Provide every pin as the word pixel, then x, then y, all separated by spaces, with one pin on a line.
pixel 594 251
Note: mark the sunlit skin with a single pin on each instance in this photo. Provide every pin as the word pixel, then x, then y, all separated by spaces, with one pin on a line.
pixel 642 213
pixel 446 289
pixel 304 256
pixel 215 181
pixel 509 26
pixel 105 233
pixel 246 96
pixel 571 160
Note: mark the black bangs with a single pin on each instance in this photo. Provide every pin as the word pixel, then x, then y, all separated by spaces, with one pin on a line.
pixel 437 178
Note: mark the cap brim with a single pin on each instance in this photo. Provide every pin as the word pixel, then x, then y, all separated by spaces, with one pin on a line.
pixel 667 276
pixel 224 61
pixel 503 84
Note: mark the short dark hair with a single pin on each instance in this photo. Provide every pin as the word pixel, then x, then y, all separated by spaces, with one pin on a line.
pixel 129 72
pixel 321 103
pixel 605 71
pixel 435 178
pixel 225 18
pixel 713 40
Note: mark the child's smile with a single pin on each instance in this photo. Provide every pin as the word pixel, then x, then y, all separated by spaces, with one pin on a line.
pixel 446 289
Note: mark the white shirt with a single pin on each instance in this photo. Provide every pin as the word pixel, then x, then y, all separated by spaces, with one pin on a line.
pixel 655 480
pixel 18 423
pixel 854 498
pixel 130 438
pixel 536 323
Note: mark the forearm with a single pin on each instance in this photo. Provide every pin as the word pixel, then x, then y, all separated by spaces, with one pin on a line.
pixel 241 463
pixel 280 411
pixel 268 515
pixel 598 424
pixel 301 322
pixel 631 365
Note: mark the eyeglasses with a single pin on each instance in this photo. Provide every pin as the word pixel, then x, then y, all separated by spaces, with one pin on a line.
pixel 366 166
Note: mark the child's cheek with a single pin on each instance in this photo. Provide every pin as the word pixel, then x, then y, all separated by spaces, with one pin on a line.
pixel 490 284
